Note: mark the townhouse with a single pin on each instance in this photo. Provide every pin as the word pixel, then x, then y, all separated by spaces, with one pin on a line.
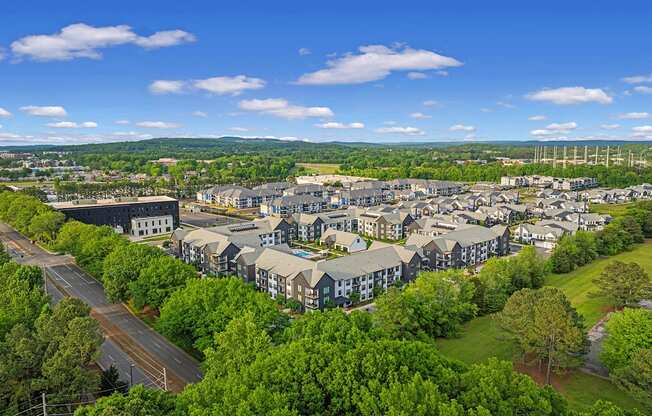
pixel 287 205
pixel 543 236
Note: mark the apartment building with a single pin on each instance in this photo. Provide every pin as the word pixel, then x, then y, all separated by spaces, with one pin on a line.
pixel 466 246
pixel 343 241
pixel 340 282
pixel 428 187
pixel 213 249
pixel 315 190
pixel 361 197
pixel 574 184
pixel 237 196
pixel 310 227
pixel 287 205
pixel 383 225
pixel 544 236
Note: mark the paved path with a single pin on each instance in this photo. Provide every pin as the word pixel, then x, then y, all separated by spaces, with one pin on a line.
pixel 130 337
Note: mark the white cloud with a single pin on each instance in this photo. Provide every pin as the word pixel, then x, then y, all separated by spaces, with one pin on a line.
pixel 571 125
pixel 216 85
pixel 416 75
pixel 280 107
pixel 73 125
pixel 337 125
pixel 505 104
pixel 163 86
pixel 638 79
pixel 634 116
pixel 542 132
pixel 199 114
pixel 486 110
pixel 239 129
pixel 431 103
pixel 420 116
pixel 122 122
pixel 642 129
pixel 375 62
pixel 304 51
pixel 407 131
pixel 84 41
pixel 642 89
pixel 229 85
pixel 442 73
pixel 45 111
pixel 158 125
pixel 461 127
pixel 571 95
pixel 537 118
pixel 4 113
pixel 164 39
pixel 610 126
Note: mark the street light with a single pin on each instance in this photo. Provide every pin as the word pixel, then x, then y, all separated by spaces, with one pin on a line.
pixel 131 375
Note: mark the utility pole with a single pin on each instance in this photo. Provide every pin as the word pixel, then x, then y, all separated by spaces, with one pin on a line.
pixel 597 150
pixel 564 157
pixel 45 407
pixel 554 157
pixel 544 154
pixel 607 164
pixel 575 156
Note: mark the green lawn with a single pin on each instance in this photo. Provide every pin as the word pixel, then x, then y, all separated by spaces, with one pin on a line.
pixel 321 168
pixel 578 284
pixel 615 210
pixel 481 338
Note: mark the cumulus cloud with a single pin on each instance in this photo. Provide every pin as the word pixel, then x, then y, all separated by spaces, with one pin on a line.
pixel 337 125
pixel 642 129
pixel 430 103
pixel 216 85
pixel 199 114
pixel 280 107
pixel 634 115
pixel 407 131
pixel 4 113
pixel 416 75
pixel 638 79
pixel 571 125
pixel 420 116
pixel 158 125
pixel 461 127
pixel 375 62
pixel 304 51
pixel 642 89
pixel 571 95
pixel 610 126
pixel 80 40
pixel 163 86
pixel 537 118
pixel 45 111
pixel 73 125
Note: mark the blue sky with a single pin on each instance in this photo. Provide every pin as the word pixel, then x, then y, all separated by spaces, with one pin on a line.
pixel 350 71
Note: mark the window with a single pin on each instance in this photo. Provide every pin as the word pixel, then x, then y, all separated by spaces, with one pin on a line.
pixel 326 290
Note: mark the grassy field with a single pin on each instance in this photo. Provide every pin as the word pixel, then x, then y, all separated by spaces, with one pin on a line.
pixel 320 168
pixel 615 210
pixel 482 338
pixel 25 183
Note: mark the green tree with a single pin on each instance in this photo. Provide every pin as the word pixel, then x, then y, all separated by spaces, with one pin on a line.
pixel 544 323
pixel 564 255
pixel 140 401
pixel 158 280
pixel 44 227
pixel 628 332
pixel 434 305
pixel 625 284
pixel 123 266
pixel 636 378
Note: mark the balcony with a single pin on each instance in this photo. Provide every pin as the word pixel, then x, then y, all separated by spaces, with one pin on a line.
pixel 312 294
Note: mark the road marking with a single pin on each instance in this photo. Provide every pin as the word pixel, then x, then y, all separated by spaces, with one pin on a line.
pixel 177 360
pixel 155 343
pixel 59 277
pixel 81 276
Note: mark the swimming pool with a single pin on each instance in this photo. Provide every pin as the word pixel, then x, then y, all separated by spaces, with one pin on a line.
pixel 302 253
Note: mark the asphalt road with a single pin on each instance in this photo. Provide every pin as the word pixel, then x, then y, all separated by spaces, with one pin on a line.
pixel 156 357
pixel 111 353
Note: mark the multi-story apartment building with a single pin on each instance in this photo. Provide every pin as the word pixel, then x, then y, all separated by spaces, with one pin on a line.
pixel 237 196
pixel 383 225
pixel 292 204
pixel 360 197
pixel 310 227
pixel 316 190
pixel 467 245
pixel 213 249
pixel 339 281
pixel 544 236
pixel 428 187
pixel 574 184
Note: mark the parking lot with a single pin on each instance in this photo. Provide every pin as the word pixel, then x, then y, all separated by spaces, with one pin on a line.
pixel 204 220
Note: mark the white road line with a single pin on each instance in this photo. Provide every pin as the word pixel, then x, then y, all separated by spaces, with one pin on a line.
pixel 81 276
pixel 59 277
pixel 177 360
